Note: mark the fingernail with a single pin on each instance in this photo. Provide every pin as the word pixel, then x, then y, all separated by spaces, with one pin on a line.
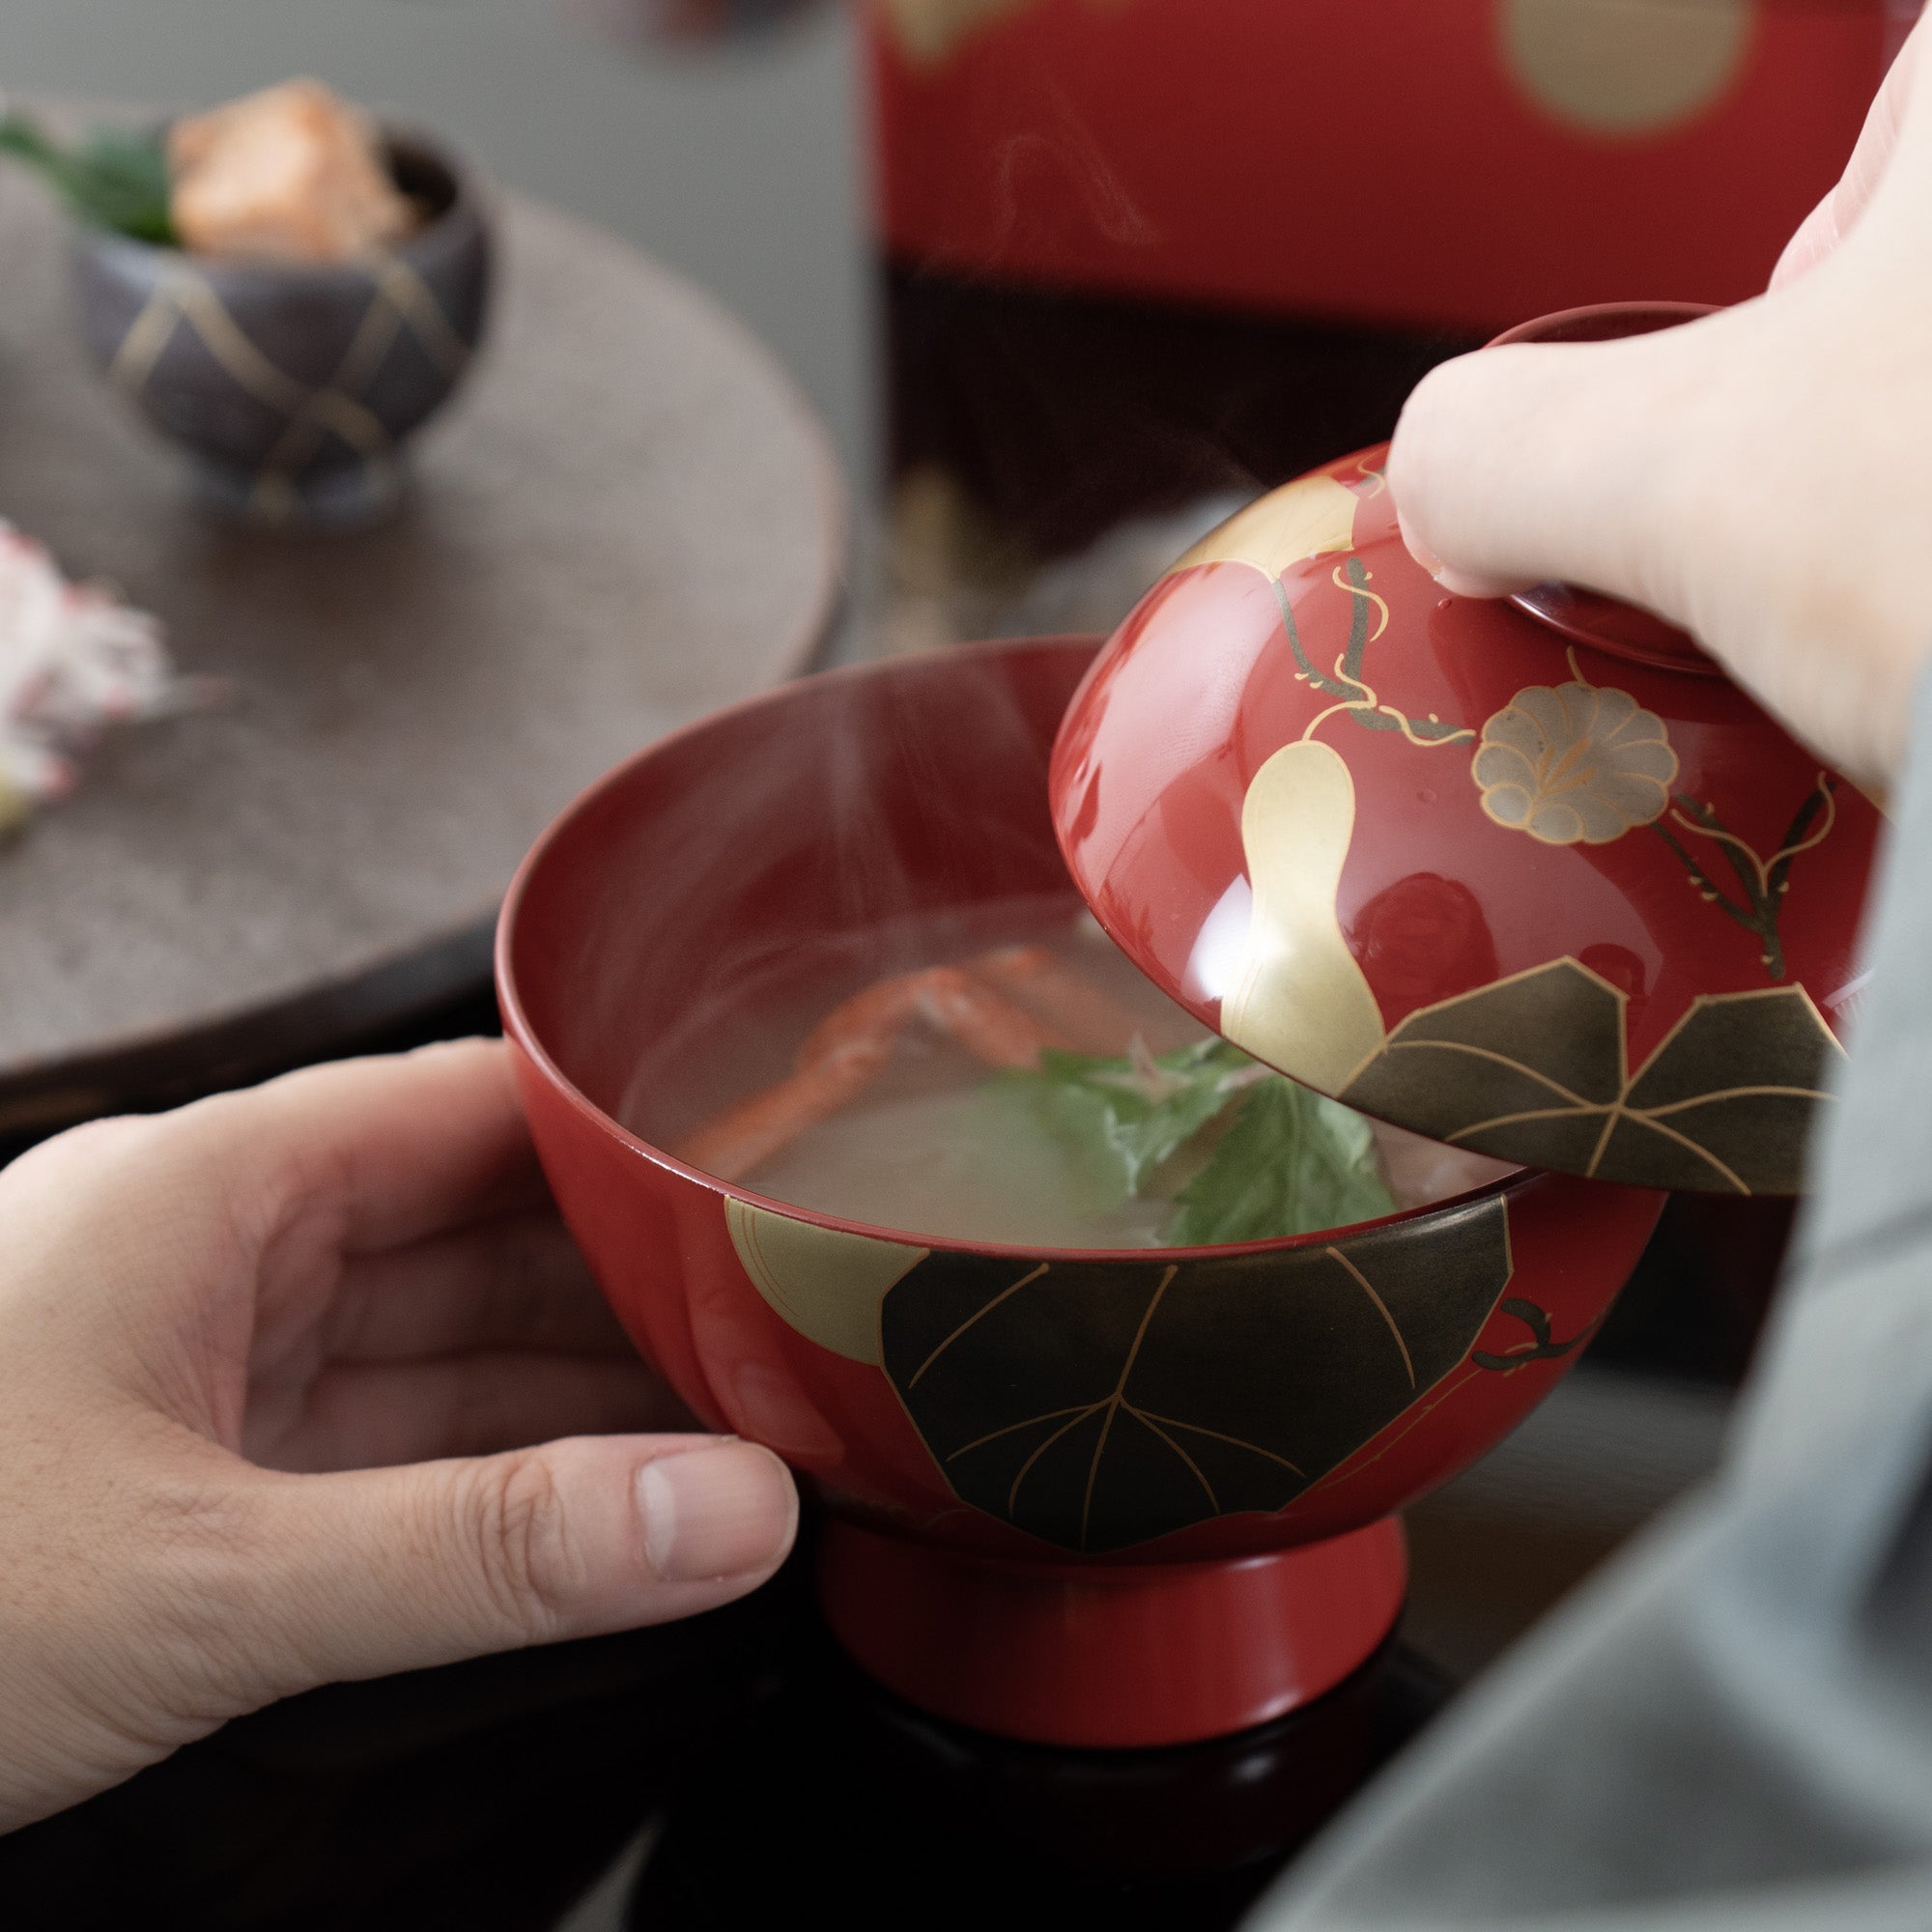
pixel 715 1513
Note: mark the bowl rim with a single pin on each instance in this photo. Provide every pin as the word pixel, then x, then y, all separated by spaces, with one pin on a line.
pixel 471 199
pixel 522 1034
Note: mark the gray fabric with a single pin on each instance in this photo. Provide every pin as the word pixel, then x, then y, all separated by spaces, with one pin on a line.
pixel 1731 1725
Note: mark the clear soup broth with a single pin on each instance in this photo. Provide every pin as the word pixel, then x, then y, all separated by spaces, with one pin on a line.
pixel 1011 1078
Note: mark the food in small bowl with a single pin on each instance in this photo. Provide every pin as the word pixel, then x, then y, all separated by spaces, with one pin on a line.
pixel 1110 1354
pixel 281 286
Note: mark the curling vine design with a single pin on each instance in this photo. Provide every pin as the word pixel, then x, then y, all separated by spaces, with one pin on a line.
pixel 1763 882
pixel 1348 687
pixel 1539 1348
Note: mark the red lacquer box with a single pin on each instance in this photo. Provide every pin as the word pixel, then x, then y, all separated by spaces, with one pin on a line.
pixel 1443 163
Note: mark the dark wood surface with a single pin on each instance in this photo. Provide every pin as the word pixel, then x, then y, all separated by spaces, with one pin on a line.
pixel 628 519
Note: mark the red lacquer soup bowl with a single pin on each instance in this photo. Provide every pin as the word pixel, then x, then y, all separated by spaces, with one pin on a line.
pixel 1090 1499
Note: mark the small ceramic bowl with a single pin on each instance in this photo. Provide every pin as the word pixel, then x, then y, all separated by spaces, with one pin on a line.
pixel 1090 1499
pixel 293 389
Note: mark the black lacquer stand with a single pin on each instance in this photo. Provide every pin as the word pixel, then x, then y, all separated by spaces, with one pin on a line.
pixel 489 1796
pixel 486 1796
pixel 836 1796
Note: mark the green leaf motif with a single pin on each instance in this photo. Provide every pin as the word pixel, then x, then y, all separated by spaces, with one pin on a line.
pixel 1100 1404
pixel 1533 1068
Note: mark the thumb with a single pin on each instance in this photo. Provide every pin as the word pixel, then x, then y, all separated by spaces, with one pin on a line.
pixel 1551 460
pixel 379 1571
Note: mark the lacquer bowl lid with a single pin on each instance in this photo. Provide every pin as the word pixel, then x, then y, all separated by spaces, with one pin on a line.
pixel 1581 905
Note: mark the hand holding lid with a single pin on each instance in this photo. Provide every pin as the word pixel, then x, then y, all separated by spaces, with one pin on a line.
pixel 1759 476
pixel 1577 903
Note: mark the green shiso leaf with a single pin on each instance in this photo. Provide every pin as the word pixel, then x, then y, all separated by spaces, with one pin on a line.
pixel 1123 1118
pixel 1292 1163
pixel 1245 1155
pixel 112 179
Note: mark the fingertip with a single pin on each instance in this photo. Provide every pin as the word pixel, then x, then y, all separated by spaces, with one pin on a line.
pixel 1436 452
pixel 1457 583
pixel 715 1513
pixel 1416 548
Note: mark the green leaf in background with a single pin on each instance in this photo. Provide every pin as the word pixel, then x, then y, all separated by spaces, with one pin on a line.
pixel 1293 1163
pixel 1245 1155
pixel 112 179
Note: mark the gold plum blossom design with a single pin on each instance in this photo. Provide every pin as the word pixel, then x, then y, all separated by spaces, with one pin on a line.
pixel 1575 764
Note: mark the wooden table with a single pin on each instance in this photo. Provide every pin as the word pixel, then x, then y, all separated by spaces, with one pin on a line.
pixel 629 518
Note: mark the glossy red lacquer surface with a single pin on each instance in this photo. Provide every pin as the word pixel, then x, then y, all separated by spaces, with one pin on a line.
pixel 1405 162
pixel 636 916
pixel 1035 1649
pixel 1741 872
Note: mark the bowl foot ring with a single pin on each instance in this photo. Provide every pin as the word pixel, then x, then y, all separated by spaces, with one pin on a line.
pixel 1110 1657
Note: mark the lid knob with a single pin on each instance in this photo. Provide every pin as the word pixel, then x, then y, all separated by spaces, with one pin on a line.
pixel 1583 616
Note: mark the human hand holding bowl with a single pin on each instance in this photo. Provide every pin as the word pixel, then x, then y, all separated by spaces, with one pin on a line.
pixel 280 1376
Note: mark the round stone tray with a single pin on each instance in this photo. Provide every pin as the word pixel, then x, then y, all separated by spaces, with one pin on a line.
pixel 627 517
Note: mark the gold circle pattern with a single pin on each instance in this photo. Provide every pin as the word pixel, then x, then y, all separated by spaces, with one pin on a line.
pixel 1626 68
